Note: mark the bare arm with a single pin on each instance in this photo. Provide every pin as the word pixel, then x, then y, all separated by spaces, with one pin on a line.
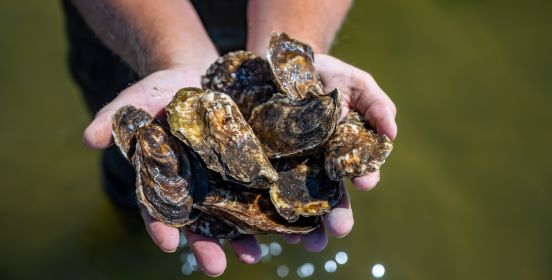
pixel 314 22
pixel 150 35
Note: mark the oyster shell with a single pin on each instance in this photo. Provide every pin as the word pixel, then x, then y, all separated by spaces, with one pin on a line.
pixel 245 77
pixel 303 188
pixel 125 122
pixel 251 212
pixel 292 64
pixel 213 227
pixel 289 127
pixel 220 182
pixel 211 124
pixel 163 177
pixel 355 150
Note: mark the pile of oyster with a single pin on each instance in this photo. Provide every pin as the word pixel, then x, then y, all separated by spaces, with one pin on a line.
pixel 259 149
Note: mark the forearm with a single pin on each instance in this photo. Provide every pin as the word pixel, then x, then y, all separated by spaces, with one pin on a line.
pixel 150 35
pixel 312 21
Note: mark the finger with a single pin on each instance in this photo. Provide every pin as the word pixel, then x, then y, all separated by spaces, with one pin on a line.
pixel 316 240
pixel 292 238
pixel 367 182
pixel 164 236
pixel 339 221
pixel 247 249
pixel 151 94
pixel 98 134
pixel 208 253
pixel 381 116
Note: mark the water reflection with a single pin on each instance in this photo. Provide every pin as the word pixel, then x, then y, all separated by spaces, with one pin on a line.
pixel 341 258
pixel 265 253
pixel 305 270
pixel 182 239
pixel 282 270
pixel 275 248
pixel 269 252
pixel 330 266
pixel 186 269
pixel 378 270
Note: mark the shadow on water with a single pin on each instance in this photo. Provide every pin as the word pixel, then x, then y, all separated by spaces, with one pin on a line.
pixel 464 195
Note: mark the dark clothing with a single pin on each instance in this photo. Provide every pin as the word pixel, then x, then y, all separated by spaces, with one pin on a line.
pixel 102 74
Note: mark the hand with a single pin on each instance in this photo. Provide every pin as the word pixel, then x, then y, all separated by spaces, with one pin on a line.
pixel 360 93
pixel 152 94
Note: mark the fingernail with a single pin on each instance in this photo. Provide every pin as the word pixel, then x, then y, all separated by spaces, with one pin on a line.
pixel 168 251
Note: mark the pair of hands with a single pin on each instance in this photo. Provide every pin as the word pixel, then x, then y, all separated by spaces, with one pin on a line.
pixel 360 93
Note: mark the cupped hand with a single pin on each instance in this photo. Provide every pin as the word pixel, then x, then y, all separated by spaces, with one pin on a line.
pixel 362 94
pixel 152 94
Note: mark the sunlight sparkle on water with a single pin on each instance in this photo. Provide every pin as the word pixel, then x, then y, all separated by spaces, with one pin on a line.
pixel 306 270
pixel 275 248
pixel 330 266
pixel 282 271
pixel 341 257
pixel 378 270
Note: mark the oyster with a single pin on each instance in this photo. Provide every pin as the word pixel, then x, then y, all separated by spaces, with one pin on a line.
pixel 125 122
pixel 213 227
pixel 211 124
pixel 220 182
pixel 303 188
pixel 251 212
pixel 355 150
pixel 292 64
pixel 163 177
pixel 245 77
pixel 293 127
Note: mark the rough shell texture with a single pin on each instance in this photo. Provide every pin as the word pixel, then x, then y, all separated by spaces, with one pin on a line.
pixel 251 212
pixel 163 176
pixel 293 127
pixel 355 150
pixel 292 64
pixel 213 227
pixel 125 122
pixel 210 123
pixel 303 188
pixel 245 77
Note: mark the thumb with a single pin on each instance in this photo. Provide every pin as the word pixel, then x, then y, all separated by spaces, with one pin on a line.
pixel 152 99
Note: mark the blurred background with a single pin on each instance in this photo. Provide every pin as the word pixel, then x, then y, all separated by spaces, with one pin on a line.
pixel 466 194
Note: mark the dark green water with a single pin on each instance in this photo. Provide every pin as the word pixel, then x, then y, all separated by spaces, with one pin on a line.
pixel 465 195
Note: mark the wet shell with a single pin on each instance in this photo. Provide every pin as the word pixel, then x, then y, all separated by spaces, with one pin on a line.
pixel 211 124
pixel 125 122
pixel 163 176
pixel 251 212
pixel 245 77
pixel 213 227
pixel 303 188
pixel 288 127
pixel 355 150
pixel 292 64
